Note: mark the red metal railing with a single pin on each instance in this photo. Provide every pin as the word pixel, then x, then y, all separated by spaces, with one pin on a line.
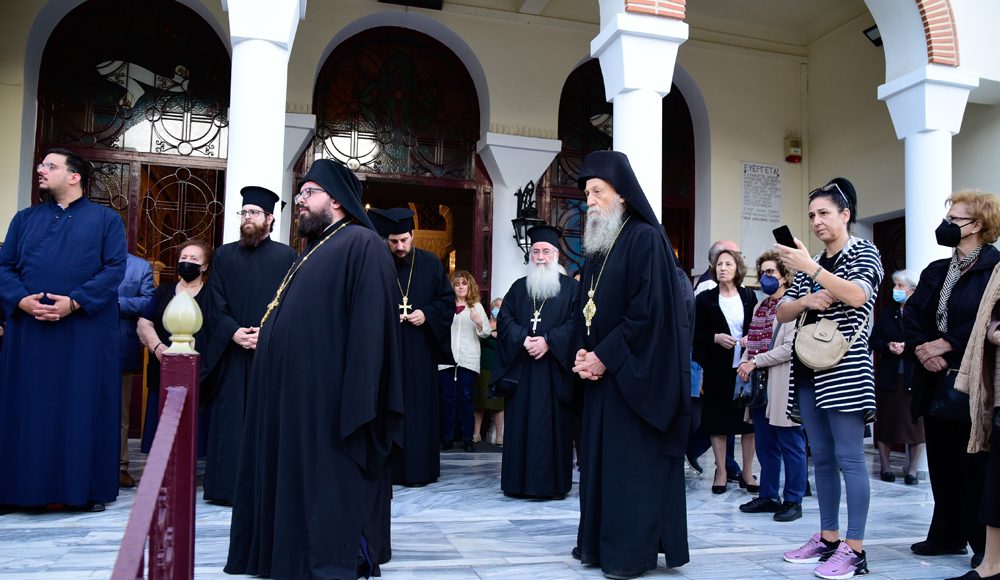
pixel 164 504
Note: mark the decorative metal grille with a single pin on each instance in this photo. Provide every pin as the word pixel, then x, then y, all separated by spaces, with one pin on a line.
pixel 585 118
pixel 570 215
pixel 396 102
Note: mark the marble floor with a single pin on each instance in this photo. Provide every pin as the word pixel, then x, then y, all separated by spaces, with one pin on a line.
pixel 463 527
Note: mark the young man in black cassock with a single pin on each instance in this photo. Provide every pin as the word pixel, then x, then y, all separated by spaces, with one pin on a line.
pixel 245 275
pixel 635 338
pixel 426 304
pixel 325 404
pixel 536 344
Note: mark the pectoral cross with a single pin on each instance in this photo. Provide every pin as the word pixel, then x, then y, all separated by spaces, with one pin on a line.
pixel 406 307
pixel 536 320
pixel 589 310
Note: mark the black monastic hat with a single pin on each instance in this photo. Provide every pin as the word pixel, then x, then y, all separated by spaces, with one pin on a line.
pixel 545 233
pixel 260 196
pixel 392 221
pixel 613 167
pixel 342 185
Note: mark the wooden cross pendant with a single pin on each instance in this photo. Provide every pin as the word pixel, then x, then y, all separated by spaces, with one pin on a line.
pixel 536 320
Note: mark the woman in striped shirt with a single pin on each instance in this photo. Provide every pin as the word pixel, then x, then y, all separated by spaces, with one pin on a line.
pixel 839 284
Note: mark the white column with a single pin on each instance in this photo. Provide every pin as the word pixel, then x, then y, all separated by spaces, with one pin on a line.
pixel 511 161
pixel 262 32
pixel 637 54
pixel 299 131
pixel 926 106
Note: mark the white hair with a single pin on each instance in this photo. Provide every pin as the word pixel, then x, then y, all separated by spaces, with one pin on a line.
pixel 602 228
pixel 904 277
pixel 543 280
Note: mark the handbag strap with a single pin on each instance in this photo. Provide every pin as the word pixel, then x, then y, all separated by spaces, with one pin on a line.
pixel 802 318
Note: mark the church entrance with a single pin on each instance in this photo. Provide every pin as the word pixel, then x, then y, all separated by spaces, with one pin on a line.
pixel 399 109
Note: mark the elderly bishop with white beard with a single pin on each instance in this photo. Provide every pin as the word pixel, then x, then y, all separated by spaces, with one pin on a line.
pixel 635 364
pixel 533 370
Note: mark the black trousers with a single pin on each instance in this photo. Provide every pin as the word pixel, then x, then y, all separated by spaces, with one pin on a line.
pixel 957 480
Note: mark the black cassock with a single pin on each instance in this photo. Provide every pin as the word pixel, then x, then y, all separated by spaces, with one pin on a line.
pixel 635 418
pixel 538 415
pixel 242 282
pixel 324 414
pixel 424 347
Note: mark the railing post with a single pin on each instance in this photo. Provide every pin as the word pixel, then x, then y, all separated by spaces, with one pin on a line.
pixel 181 370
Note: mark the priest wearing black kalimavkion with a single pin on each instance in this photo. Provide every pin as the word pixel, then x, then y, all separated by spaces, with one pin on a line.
pixel 536 344
pixel 635 339
pixel 426 304
pixel 245 275
pixel 325 403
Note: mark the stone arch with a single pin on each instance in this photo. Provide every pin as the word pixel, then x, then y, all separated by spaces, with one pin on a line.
pixel 435 30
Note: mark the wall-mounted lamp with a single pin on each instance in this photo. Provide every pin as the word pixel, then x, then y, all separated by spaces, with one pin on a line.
pixel 873 35
pixel 527 217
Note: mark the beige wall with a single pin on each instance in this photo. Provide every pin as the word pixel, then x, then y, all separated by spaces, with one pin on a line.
pixel 850 131
pixel 753 99
pixel 974 150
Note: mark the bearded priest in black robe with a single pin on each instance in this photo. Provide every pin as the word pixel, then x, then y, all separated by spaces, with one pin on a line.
pixel 426 304
pixel 325 403
pixel 536 344
pixel 245 275
pixel 634 362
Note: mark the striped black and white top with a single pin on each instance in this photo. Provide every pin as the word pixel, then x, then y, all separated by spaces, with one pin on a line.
pixel 849 386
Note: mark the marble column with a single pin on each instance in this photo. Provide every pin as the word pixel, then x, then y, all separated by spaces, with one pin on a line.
pixel 262 32
pixel 511 161
pixel 637 54
pixel 299 131
pixel 926 106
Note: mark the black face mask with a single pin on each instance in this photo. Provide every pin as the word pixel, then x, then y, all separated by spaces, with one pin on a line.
pixel 189 271
pixel 948 235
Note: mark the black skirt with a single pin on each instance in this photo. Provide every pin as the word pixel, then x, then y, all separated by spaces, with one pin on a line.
pixel 989 511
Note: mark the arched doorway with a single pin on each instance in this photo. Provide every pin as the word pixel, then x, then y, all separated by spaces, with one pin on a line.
pixel 142 90
pixel 400 109
pixel 585 125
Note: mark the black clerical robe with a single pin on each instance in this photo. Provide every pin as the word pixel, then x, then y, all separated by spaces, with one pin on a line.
pixel 242 282
pixel 324 414
pixel 538 416
pixel 635 418
pixel 424 347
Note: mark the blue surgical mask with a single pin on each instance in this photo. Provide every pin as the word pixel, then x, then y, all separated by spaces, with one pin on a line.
pixel 769 284
pixel 899 295
pixel 495 312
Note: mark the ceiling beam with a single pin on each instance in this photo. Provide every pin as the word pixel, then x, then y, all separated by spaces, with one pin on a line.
pixel 534 7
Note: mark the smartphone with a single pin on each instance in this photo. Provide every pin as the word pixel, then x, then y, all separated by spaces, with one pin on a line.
pixel 784 237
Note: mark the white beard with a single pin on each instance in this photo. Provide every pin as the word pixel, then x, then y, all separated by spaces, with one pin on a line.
pixel 602 229
pixel 543 281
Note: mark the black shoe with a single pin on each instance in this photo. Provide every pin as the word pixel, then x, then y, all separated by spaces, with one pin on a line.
pixel 621 575
pixel 977 559
pixel 929 548
pixel 734 478
pixel 973 575
pixel 446 445
pixel 467 445
pixel 761 505
pixel 576 553
pixel 694 463
pixel 809 490
pixel 789 512
pixel 888 476
pixel 719 489
pixel 910 479
pixel 750 487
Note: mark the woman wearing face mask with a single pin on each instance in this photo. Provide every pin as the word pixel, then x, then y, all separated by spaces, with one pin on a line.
pixel 481 400
pixel 937 321
pixel 778 440
pixel 893 383
pixel 194 258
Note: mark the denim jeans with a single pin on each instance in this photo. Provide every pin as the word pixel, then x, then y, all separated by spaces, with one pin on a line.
pixel 456 381
pixel 777 445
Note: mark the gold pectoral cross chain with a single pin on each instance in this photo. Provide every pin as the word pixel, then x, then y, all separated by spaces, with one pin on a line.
pixel 406 307
pixel 590 308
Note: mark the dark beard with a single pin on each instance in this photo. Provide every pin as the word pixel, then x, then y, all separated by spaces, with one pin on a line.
pixel 311 225
pixel 254 237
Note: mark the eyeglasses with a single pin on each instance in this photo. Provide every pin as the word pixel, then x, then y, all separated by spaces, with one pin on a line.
pixel 952 219
pixel 307 192
pixel 250 213
pixel 827 189
pixel 49 166
pixel 770 272
pixel 542 252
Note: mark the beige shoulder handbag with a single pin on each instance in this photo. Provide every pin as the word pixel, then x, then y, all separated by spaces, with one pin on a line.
pixel 821 345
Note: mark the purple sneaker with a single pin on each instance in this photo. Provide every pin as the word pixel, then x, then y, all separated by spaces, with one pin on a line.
pixel 843 563
pixel 811 552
